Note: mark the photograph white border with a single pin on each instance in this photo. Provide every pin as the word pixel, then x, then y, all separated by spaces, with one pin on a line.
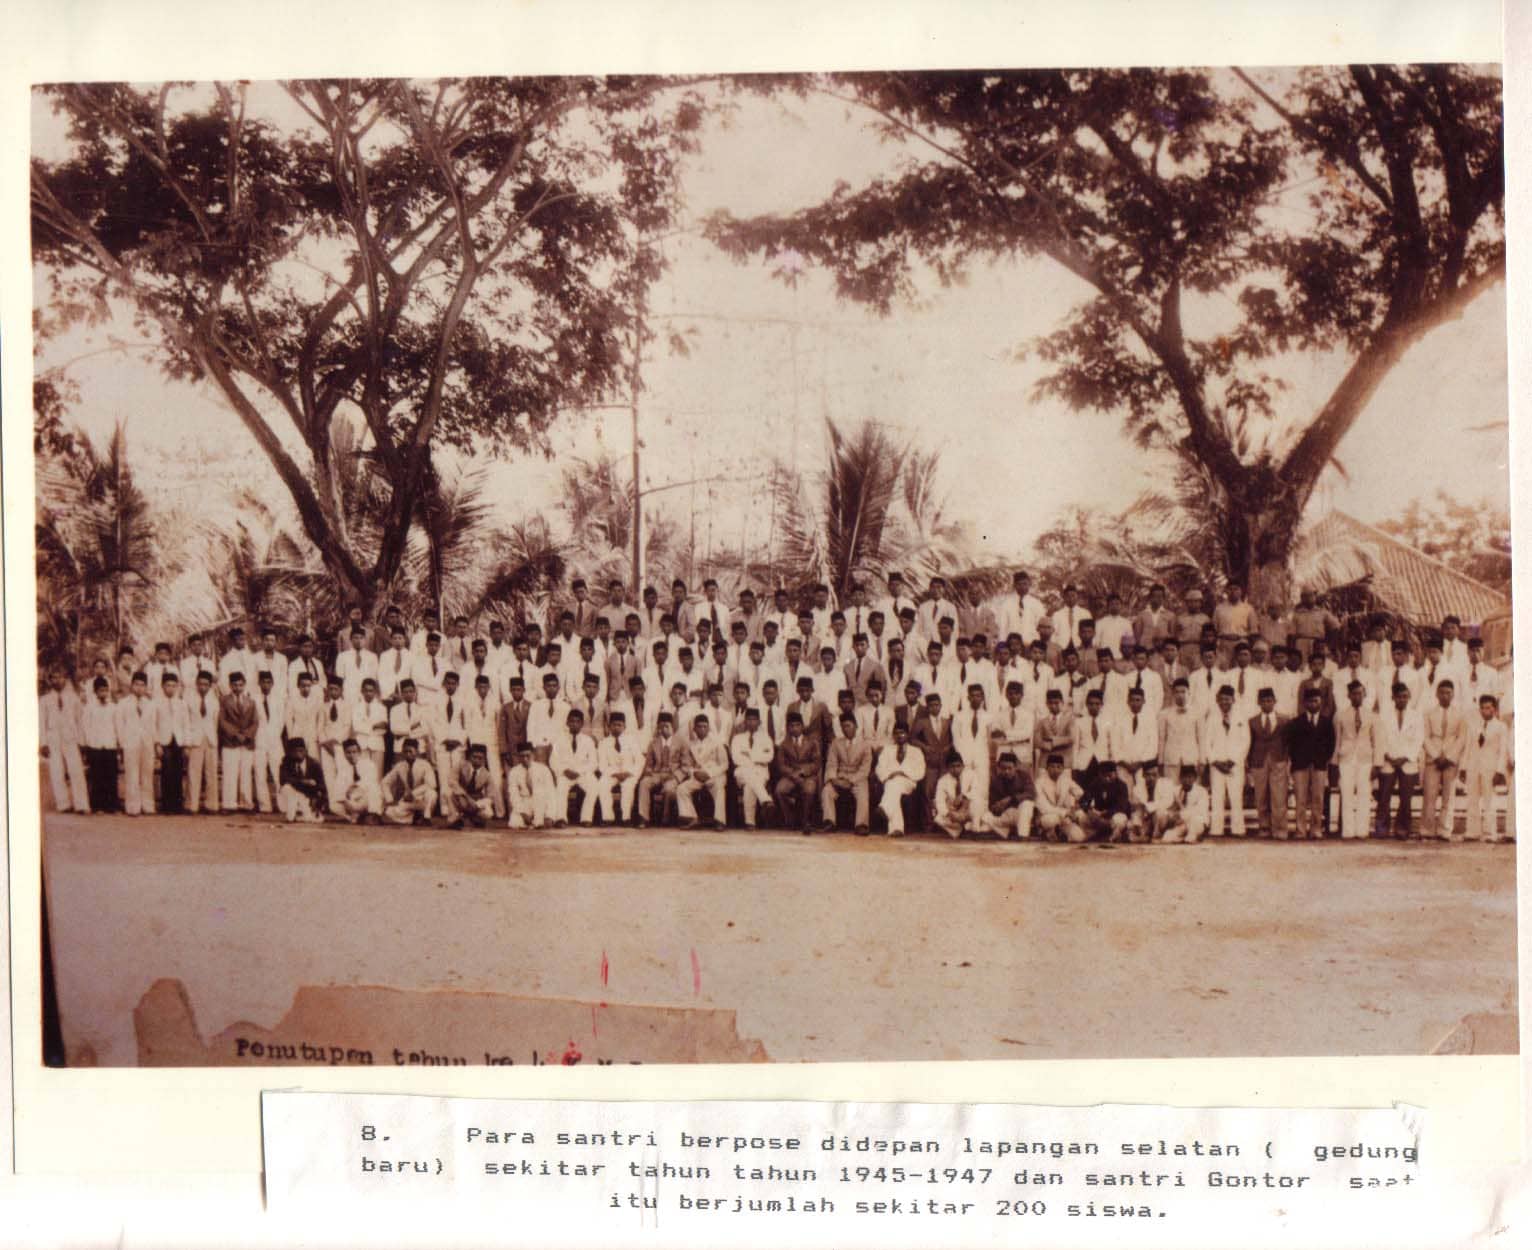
pixel 178 1122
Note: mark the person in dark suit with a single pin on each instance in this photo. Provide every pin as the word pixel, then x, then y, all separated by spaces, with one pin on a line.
pixel 798 763
pixel 1268 766
pixel 1310 746
pixel 932 737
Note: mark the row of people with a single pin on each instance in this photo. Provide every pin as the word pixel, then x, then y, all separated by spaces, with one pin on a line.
pixel 244 737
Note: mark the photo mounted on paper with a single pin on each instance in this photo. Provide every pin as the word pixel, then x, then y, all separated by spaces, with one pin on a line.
pixel 871 566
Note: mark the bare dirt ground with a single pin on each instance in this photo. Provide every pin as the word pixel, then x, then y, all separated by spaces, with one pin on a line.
pixel 829 948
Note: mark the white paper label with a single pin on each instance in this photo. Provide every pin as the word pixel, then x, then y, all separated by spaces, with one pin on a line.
pixel 852 1174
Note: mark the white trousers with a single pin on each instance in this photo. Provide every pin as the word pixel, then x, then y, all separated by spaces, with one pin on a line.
pixel 201 779
pixel 1015 821
pixel 1355 796
pixel 66 774
pixel 895 790
pixel 1228 788
pixel 625 792
pixel 295 806
pixel 138 778
pixel 752 780
pixel 447 763
pixel 1481 806
pixel 238 763
pixel 267 760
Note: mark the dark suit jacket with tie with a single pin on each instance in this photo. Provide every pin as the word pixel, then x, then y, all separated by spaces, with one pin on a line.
pixel 1268 747
pixel 1310 746
pixel 513 724
pixel 800 760
pixel 932 740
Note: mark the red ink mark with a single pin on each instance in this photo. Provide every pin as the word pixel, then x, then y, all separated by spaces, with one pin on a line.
pixel 605 968
pixel 696 973
pixel 572 1055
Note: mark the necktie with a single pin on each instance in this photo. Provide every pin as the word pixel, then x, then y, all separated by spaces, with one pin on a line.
pixel 859 669
pixel 1036 673
pixel 449 711
pixel 1139 684
pixel 1431 678
pixel 204 705
pixel 617 741
pixel 899 755
pixel 266 706
pixel 963 674
pixel 1013 718
pixel 1359 719
pixel 1226 723
pixel 398 660
pixel 334 711
pixel 1093 725
pixel 771 723
pixel 574 746
pixel 1242 681
pixel 1481 740
pixel 1473 674
pixel 1401 718
pixel 1135 724
pixel 434 669
pixel 1396 677
pixel 975 730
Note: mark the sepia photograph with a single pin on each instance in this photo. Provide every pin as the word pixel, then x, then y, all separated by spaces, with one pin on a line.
pixel 826 567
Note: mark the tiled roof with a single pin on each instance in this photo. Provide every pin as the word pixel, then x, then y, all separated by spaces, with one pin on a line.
pixel 1415 585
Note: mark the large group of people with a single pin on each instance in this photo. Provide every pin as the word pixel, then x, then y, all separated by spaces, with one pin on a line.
pixel 907 711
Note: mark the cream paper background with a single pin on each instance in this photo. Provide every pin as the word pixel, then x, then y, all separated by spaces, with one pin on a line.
pixel 184 1146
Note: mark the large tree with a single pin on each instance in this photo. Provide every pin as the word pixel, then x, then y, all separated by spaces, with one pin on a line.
pixel 1216 221
pixel 451 261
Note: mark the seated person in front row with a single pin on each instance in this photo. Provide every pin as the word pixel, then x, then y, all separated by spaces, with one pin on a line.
pixel 473 795
pixel 531 790
pixel 1058 801
pixel 409 789
pixel 1011 800
pixel 954 805
pixel 1105 803
pixel 1190 810
pixel 356 797
pixel 301 795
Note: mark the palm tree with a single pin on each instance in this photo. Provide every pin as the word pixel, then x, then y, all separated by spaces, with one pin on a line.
pixel 96 542
pixel 597 502
pixel 874 507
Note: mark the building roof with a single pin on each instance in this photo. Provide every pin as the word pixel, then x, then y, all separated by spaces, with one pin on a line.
pixel 1411 583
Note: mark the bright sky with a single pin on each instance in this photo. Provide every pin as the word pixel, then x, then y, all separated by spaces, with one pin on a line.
pixel 944 373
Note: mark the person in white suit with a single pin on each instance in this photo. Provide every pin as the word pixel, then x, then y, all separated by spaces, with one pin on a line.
pixel 355 665
pixel 301 720
pixel 135 736
pixel 1191 810
pixel 620 761
pixel 1446 738
pixel 573 760
pixel 1487 755
pixel 271 714
pixel 901 769
pixel 202 744
pixel 1154 804
pixel 1226 742
pixel 59 725
pixel 752 752
pixel 1355 752
pixel 356 796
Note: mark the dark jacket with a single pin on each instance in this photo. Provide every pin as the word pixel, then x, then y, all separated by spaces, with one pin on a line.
pixel 1310 746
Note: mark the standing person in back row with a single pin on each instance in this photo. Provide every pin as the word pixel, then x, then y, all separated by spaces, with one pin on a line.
pixel 1311 623
pixel 1234 622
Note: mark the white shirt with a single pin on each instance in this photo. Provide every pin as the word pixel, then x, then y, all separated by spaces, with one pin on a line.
pixel 1066 624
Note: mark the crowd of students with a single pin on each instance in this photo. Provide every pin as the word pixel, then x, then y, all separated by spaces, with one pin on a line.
pixel 1004 717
